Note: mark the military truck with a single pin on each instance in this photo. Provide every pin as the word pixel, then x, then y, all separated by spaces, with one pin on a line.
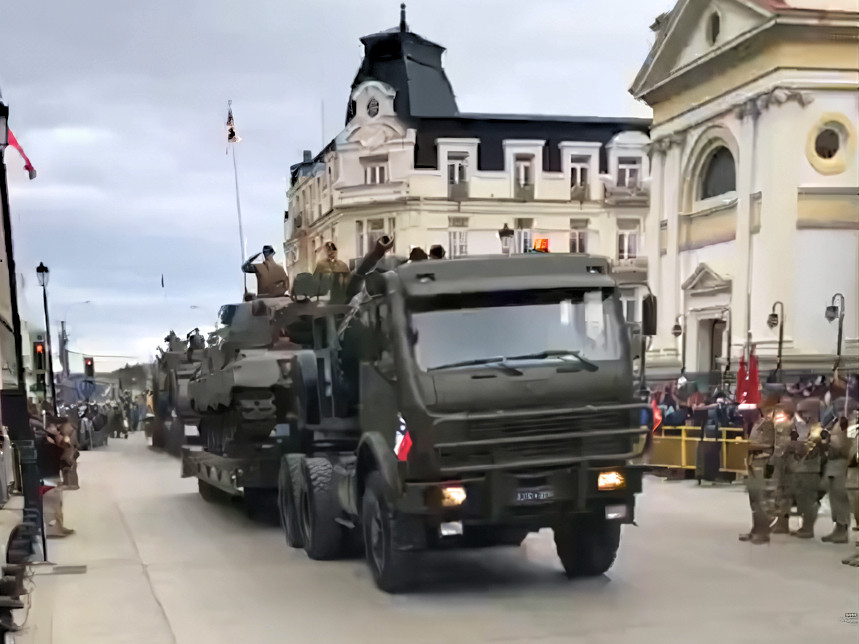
pixel 172 373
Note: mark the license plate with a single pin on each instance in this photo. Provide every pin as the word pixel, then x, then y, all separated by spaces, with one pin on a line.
pixel 535 495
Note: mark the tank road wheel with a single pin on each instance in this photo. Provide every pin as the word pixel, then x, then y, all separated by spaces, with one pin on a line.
pixel 388 565
pixel 587 546
pixel 318 506
pixel 288 484
pixel 210 493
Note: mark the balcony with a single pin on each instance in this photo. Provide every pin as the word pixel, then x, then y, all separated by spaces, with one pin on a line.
pixel 636 195
pixel 523 192
pixel 630 271
pixel 457 191
pixel 579 192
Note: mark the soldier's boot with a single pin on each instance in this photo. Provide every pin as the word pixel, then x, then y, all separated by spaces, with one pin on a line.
pixel 781 526
pixel 746 536
pixel 806 531
pixel 760 531
pixel 838 535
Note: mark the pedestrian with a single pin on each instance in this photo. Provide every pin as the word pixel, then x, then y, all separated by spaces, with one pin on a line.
pixel 761 444
pixel 804 455
pixel 837 450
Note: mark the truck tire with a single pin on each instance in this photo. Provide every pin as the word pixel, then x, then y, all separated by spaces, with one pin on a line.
pixel 210 493
pixel 388 565
pixel 318 507
pixel 288 484
pixel 261 505
pixel 588 546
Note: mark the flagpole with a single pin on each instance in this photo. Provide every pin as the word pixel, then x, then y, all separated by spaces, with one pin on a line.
pixel 238 205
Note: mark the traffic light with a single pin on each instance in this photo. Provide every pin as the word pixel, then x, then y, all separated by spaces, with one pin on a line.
pixel 41 383
pixel 39 358
pixel 89 367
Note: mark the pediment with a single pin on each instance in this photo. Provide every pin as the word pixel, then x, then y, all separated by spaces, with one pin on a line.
pixel 705 281
pixel 684 41
pixel 375 135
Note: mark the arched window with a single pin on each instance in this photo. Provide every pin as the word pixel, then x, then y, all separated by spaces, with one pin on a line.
pixel 719 173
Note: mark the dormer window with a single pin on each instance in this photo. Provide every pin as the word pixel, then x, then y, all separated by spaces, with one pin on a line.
pixel 375 169
pixel 456 165
pixel 524 170
pixel 714 26
pixel 579 171
pixel 628 172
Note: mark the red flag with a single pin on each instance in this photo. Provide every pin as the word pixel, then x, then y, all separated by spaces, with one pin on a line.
pixel 742 384
pixel 405 447
pixel 753 387
pixel 657 414
pixel 27 165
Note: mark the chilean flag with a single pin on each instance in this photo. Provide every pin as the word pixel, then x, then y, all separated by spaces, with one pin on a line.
pixel 657 414
pixel 27 165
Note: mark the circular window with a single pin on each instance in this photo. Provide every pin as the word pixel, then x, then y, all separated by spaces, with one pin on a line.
pixel 373 107
pixel 713 28
pixel 827 143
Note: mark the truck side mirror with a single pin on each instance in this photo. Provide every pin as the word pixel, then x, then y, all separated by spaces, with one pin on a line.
pixel 648 315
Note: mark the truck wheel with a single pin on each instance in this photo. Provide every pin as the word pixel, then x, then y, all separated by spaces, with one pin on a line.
pixel 261 505
pixel 210 493
pixel 587 547
pixel 289 478
pixel 388 565
pixel 318 506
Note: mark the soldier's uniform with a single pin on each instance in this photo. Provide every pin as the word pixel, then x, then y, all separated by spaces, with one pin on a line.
pixel 853 481
pixel 837 449
pixel 761 445
pixel 804 464
pixel 272 280
pixel 334 271
pixel 783 422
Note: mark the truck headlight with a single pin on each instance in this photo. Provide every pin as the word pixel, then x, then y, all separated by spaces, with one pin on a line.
pixel 452 496
pixel 610 481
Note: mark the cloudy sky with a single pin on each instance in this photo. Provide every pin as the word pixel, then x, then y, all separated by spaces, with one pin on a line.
pixel 121 107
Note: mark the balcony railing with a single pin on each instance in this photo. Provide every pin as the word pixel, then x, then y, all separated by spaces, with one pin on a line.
pixel 524 192
pixel 627 195
pixel 629 270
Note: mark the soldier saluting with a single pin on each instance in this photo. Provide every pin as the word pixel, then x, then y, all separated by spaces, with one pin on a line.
pixel 272 280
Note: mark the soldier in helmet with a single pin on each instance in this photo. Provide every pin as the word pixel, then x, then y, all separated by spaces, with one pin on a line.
pixel 436 252
pixel 804 456
pixel 417 254
pixel 836 446
pixel 272 280
pixel 333 269
pixel 783 423
pixel 761 443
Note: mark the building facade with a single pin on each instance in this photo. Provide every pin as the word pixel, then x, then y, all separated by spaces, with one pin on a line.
pixel 754 206
pixel 409 165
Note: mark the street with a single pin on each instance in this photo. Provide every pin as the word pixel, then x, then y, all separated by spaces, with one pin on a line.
pixel 164 566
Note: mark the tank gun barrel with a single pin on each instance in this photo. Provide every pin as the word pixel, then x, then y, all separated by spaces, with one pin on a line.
pixel 367 264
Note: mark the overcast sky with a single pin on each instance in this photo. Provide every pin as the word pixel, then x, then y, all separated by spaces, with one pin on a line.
pixel 120 105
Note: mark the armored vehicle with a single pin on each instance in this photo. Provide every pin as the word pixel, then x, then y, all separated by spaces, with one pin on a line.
pixel 171 375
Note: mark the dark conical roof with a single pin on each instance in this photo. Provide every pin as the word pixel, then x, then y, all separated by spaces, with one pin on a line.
pixel 412 66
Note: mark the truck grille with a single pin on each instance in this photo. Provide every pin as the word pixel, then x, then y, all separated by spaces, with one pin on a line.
pixel 504 426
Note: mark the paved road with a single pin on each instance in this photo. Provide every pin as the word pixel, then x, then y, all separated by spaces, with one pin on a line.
pixel 164 566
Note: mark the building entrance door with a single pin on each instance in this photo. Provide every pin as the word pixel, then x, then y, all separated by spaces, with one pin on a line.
pixel 711 340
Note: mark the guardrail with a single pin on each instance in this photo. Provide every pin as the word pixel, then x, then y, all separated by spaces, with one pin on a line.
pixel 677 448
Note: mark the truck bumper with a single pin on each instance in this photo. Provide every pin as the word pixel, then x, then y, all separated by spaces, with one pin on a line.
pixel 534 499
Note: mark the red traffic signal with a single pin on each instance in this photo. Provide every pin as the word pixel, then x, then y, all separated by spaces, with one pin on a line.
pixel 89 367
pixel 39 357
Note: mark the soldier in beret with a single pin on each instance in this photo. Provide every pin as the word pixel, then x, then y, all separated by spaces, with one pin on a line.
pixel 761 444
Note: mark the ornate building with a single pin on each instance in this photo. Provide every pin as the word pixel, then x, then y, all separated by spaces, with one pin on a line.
pixel 409 164
pixel 754 206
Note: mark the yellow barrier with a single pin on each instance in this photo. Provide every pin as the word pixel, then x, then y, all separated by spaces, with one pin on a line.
pixel 677 448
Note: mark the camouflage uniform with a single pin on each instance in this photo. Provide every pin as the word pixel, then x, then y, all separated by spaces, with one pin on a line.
pixel 837 449
pixel 804 463
pixel 761 442
pixel 782 474
pixel 853 482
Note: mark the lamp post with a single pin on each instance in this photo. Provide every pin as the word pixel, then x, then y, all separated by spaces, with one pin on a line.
pixel 777 320
pixel 64 338
pixel 43 274
pixel 506 237
pixel 680 330
pixel 836 311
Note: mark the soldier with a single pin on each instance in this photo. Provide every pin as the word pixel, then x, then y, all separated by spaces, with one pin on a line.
pixel 783 422
pixel 272 280
pixel 436 252
pixel 417 254
pixel 803 462
pixel 837 448
pixel 853 481
pixel 333 269
pixel 761 444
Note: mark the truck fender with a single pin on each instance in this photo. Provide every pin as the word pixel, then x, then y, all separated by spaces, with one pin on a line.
pixel 374 454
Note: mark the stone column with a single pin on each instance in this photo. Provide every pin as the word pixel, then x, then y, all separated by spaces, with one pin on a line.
pixel 670 302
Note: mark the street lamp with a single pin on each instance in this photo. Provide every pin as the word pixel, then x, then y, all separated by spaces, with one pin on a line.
pixel 64 338
pixel 777 320
pixel 43 274
pixel 679 330
pixel 506 237
pixel 836 311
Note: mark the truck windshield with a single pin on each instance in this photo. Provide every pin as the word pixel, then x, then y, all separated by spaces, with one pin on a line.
pixel 453 331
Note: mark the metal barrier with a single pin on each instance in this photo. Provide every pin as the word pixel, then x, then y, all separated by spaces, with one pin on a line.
pixel 677 448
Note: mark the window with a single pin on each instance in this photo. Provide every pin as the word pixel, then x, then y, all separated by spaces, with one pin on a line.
pixel 578 235
pixel 714 26
pixel 718 176
pixel 827 143
pixel 359 239
pixel 375 173
pixel 457 240
pixel 368 234
pixel 524 171
pixel 627 244
pixel 456 164
pixel 628 172
pixel 579 171
pixel 523 235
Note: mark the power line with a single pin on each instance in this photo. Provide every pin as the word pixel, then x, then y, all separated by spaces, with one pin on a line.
pixel 98 355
